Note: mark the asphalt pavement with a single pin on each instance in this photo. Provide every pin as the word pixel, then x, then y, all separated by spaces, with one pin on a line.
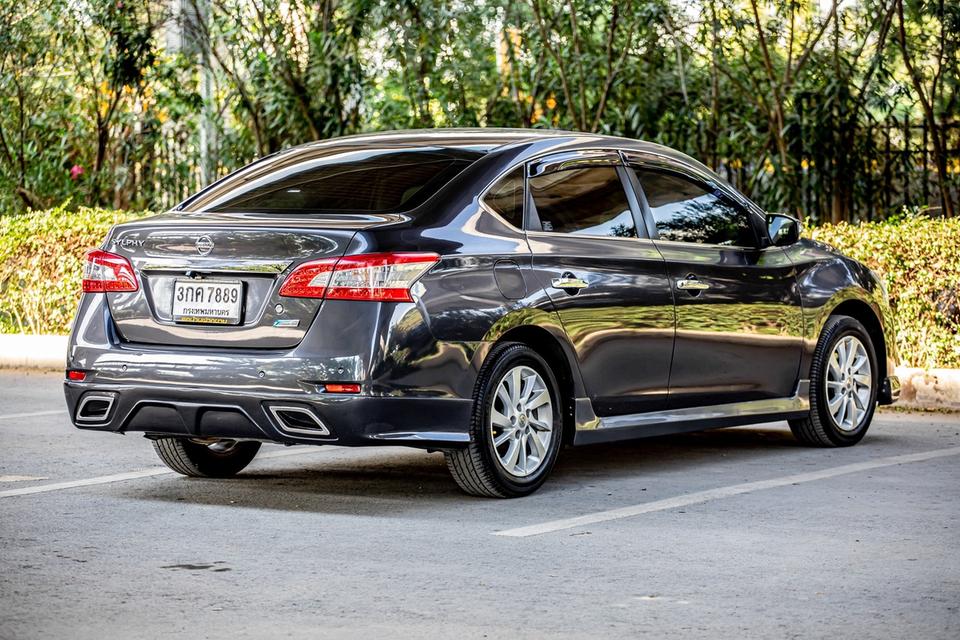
pixel 734 533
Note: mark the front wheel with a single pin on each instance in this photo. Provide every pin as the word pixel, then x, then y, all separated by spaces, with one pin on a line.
pixel 206 458
pixel 516 427
pixel 843 386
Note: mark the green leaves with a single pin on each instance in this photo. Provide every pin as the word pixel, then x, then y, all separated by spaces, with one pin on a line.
pixel 41 255
pixel 919 260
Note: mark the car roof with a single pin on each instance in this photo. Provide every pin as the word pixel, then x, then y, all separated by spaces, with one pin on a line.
pixel 479 138
pixel 495 140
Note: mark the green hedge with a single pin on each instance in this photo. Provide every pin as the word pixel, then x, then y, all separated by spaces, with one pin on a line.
pixel 41 253
pixel 919 259
pixel 41 264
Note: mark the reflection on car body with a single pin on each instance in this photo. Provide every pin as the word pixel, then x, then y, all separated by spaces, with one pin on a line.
pixel 492 294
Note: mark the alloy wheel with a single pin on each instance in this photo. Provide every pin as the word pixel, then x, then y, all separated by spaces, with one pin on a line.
pixel 849 383
pixel 521 421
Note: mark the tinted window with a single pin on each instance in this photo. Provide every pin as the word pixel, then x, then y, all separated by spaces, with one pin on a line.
pixel 687 212
pixel 346 181
pixel 588 201
pixel 506 197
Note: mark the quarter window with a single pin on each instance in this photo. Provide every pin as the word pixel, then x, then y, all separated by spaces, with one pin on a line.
pixel 686 211
pixel 506 197
pixel 588 201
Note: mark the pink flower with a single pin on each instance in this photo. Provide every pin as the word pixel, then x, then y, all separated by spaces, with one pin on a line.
pixel 76 171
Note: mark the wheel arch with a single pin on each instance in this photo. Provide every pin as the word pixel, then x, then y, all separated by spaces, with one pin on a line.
pixel 866 315
pixel 558 354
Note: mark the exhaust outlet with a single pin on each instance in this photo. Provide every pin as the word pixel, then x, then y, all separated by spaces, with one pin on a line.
pixel 298 420
pixel 94 407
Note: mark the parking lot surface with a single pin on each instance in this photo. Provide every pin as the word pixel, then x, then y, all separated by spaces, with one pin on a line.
pixel 726 534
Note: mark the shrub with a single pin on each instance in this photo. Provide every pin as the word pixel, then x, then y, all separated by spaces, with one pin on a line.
pixel 919 259
pixel 41 264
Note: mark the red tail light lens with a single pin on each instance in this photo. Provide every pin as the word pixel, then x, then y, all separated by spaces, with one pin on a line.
pixel 380 277
pixel 309 280
pixel 104 271
pixel 339 387
pixel 76 375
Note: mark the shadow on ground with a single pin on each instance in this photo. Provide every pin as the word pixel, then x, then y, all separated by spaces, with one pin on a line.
pixel 403 482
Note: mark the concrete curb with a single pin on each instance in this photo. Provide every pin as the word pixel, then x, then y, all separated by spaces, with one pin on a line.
pixel 24 351
pixel 921 388
pixel 930 388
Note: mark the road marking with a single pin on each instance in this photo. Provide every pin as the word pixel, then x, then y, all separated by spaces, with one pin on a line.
pixel 21 478
pixel 11 416
pixel 720 492
pixel 134 475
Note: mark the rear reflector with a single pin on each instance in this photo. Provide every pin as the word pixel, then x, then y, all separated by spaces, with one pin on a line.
pixel 76 375
pixel 105 272
pixel 335 387
pixel 380 277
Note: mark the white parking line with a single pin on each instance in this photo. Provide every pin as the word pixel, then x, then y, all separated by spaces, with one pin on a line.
pixel 34 414
pixel 22 478
pixel 145 473
pixel 720 492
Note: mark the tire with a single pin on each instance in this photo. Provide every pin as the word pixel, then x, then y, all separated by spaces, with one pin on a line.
pixel 218 459
pixel 821 427
pixel 479 468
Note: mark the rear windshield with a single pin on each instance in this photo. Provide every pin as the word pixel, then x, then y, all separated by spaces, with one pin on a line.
pixel 343 181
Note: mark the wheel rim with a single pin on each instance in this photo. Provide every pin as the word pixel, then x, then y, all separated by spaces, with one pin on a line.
pixel 521 421
pixel 849 383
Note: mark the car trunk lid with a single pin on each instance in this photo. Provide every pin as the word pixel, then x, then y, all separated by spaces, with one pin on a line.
pixel 252 252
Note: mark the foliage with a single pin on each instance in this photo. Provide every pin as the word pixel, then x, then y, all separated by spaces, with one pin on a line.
pixel 41 265
pixel 136 104
pixel 918 257
pixel 919 260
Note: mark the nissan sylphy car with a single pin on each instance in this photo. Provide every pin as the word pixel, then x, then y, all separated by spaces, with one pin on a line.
pixel 491 294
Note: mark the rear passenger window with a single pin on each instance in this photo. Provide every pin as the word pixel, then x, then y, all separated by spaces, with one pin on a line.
pixel 685 211
pixel 588 201
pixel 506 197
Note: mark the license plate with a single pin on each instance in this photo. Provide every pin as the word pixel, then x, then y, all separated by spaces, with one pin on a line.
pixel 207 301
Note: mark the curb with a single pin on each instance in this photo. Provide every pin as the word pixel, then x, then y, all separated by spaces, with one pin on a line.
pixel 920 388
pixel 929 388
pixel 23 351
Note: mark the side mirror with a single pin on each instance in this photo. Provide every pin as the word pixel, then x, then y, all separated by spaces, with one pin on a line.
pixel 784 230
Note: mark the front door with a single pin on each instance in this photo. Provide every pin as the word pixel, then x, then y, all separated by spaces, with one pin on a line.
pixel 606 279
pixel 739 317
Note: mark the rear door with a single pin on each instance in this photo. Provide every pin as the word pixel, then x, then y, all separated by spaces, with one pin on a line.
pixel 605 278
pixel 739 317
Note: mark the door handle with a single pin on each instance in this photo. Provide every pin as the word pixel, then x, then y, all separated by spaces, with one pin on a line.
pixel 692 284
pixel 569 281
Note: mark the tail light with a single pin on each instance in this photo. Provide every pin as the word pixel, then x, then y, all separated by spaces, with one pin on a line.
pixel 104 271
pixel 339 387
pixel 380 277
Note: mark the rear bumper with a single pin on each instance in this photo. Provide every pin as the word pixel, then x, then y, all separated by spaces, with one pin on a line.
pixel 240 413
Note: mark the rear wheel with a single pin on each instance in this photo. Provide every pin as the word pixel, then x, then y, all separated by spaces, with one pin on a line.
pixel 206 458
pixel 516 428
pixel 843 386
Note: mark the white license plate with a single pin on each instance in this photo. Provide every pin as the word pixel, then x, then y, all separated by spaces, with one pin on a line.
pixel 207 301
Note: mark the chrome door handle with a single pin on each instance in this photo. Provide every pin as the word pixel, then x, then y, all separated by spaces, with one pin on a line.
pixel 569 281
pixel 692 284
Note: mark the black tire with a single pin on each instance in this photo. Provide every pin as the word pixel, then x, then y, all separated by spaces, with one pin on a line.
pixel 819 428
pixel 201 461
pixel 477 468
